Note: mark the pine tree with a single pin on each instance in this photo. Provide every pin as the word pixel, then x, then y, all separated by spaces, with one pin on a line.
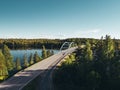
pixel 18 64
pixel 48 53
pixel 72 56
pixel 106 57
pixel 108 48
pixel 99 48
pixel 44 53
pixel 26 64
pixel 52 52
pixel 88 52
pixel 3 68
pixel 36 57
pixel 8 58
pixel 31 59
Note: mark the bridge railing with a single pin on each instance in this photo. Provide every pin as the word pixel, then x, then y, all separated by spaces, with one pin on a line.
pixel 66 45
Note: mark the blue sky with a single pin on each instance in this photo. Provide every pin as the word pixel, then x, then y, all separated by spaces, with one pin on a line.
pixel 59 18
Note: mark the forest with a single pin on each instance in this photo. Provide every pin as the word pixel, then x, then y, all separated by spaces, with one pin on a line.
pixel 96 66
pixel 48 43
pixel 93 67
pixel 31 43
pixel 8 67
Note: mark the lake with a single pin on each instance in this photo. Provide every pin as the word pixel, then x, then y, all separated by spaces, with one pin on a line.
pixel 20 53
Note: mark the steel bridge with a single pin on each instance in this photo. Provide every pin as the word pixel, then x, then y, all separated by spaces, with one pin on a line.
pixel 67 45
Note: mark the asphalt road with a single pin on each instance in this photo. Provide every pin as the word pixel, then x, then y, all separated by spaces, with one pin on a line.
pixel 22 78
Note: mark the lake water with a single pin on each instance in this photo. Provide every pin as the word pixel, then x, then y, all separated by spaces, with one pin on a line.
pixel 20 53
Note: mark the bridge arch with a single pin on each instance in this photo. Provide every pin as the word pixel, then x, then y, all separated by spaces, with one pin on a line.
pixel 66 45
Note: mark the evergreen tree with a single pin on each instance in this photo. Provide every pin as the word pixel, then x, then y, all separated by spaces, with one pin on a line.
pixel 48 53
pixel 26 64
pixel 36 57
pixel 18 64
pixel 3 68
pixel 99 48
pixel 108 48
pixel 52 52
pixel 72 56
pixel 31 59
pixel 8 58
pixel 44 53
pixel 88 52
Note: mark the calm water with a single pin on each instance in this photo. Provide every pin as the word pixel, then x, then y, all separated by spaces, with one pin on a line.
pixel 20 53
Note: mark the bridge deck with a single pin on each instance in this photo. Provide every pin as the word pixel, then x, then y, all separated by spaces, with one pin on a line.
pixel 22 78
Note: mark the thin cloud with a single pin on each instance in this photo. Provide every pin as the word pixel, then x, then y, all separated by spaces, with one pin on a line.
pixel 80 33
pixel 53 36
pixel 89 31
pixel 95 31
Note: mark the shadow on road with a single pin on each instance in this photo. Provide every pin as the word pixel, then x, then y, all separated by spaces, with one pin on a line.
pixel 19 79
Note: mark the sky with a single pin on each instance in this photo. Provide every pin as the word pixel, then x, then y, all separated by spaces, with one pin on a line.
pixel 59 19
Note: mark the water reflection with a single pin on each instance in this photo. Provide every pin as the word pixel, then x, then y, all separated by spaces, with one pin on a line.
pixel 20 53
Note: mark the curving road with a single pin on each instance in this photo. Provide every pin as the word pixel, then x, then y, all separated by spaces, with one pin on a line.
pixel 22 78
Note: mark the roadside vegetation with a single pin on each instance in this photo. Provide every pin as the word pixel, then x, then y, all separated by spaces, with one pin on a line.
pixel 8 67
pixel 94 67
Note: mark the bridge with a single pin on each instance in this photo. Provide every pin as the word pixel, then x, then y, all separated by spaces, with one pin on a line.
pixel 24 77
pixel 67 45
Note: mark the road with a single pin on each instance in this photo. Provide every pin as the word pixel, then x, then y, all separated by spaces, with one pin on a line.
pixel 22 78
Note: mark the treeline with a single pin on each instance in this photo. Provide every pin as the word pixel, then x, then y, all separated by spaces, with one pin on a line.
pixel 8 67
pixel 94 68
pixel 31 43
pixel 48 43
pixel 32 59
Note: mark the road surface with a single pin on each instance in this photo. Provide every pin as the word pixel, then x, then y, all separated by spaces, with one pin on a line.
pixel 22 78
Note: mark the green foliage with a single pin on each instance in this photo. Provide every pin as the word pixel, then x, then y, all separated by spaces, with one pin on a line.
pixel 96 67
pixel 36 57
pixel 72 56
pixel 44 53
pixel 3 68
pixel 18 64
pixel 52 52
pixel 48 53
pixel 49 43
pixel 8 58
pixel 105 48
pixel 25 60
pixel 31 43
pixel 108 48
pixel 88 52
pixel 69 60
pixel 31 61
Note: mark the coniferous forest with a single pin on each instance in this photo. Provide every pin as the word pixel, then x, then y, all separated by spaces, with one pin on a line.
pixel 93 67
pixel 31 43
pixel 8 67
pixel 60 44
